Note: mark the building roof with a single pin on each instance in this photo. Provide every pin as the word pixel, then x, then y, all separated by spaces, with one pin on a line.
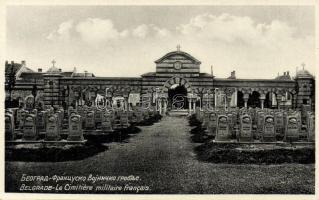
pixel 84 74
pixel 14 68
pixel 303 74
pixel 53 70
pixel 178 53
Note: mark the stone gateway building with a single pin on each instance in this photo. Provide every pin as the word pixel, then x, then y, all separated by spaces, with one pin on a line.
pixel 176 83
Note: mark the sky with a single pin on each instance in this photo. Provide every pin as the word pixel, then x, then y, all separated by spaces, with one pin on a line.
pixel 124 41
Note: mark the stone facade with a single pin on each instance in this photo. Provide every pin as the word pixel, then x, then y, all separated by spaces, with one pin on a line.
pixel 175 69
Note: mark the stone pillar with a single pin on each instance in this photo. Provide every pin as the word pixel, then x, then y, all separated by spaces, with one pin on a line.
pixel 278 99
pixel 125 103
pixel 194 106
pixel 164 107
pixel 160 106
pixel 246 97
pixel 262 100
pixel 190 105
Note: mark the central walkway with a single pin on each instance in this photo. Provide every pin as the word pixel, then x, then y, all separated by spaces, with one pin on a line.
pixel 162 156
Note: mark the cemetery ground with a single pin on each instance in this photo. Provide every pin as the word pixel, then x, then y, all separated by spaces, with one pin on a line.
pixel 166 160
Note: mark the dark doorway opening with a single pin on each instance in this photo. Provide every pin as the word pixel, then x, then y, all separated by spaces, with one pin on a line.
pixel 177 97
pixel 240 99
pixel 254 100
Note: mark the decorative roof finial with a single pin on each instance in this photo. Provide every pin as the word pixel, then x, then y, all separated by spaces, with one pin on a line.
pixel 178 47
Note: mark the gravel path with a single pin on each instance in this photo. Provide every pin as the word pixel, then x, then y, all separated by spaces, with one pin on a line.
pixel 163 158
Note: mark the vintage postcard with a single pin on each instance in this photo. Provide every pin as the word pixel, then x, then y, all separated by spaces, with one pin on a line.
pixel 159 98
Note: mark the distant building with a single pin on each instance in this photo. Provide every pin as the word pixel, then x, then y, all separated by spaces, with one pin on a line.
pixel 176 72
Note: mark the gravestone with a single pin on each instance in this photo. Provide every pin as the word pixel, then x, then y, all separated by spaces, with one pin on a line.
pixel 212 124
pixel 29 103
pixel 222 133
pixel 132 117
pixel 311 127
pixel 52 128
pixel 98 116
pixel 29 128
pixel 106 124
pixel 279 123
pixel 124 120
pixel 18 117
pixel 260 123
pixel 139 116
pixel 117 121
pixel 41 119
pixel 245 134
pixel 269 132
pixel 75 128
pixel 292 129
pixel 90 120
pixel 205 119
pixel 9 127
pixel 23 115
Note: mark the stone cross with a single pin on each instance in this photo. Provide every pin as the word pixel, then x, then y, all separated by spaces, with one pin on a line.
pixel 53 62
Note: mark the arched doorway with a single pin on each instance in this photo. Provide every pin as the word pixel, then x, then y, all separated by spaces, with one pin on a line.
pixel 177 97
pixel 254 100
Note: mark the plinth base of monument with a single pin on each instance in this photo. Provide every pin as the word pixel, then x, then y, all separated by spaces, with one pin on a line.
pixel 97 132
pixel 29 138
pixel 291 139
pixel 75 138
pixel 60 142
pixel 268 139
pixel 225 141
pixel 52 138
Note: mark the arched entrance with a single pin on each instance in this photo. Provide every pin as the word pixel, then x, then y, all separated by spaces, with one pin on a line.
pixel 177 90
pixel 177 97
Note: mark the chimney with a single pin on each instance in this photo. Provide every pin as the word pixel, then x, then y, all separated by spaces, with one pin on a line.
pixel 40 70
pixel 23 62
pixel 284 73
pixel 287 72
pixel 7 62
pixel 60 70
pixel 12 62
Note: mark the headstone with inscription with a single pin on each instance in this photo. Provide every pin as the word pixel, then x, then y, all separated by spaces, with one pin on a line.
pixel 106 124
pixel 124 119
pixel 41 119
pixel 212 124
pixel 223 133
pixel 269 132
pixel 9 127
pixel 75 128
pixel 29 128
pixel 311 127
pixel 52 128
pixel 98 116
pixel 90 120
pixel 279 123
pixel 245 134
pixel 292 129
